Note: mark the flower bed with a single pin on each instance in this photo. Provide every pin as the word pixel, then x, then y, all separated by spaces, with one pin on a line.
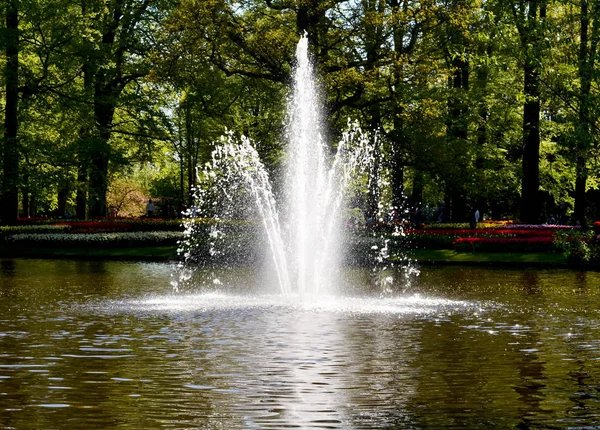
pixel 153 238
pixel 500 236
pixel 41 228
pixel 122 225
pixel 484 232
pixel 116 232
pixel 488 237
pixel 496 244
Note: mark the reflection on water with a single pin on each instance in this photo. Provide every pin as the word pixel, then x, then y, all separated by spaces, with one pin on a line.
pixel 107 344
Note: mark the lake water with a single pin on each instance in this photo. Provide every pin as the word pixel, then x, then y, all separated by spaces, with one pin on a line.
pixel 99 345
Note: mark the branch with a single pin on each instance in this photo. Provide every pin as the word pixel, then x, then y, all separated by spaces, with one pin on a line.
pixel 144 135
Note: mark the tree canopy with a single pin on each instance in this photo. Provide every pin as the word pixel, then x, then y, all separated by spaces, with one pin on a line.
pixel 489 105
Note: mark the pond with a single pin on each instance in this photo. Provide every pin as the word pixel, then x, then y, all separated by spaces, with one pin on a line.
pixel 100 345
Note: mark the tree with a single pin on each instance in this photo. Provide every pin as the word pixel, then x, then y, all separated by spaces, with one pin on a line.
pixel 112 40
pixel 117 62
pixel 456 49
pixel 588 47
pixel 529 18
pixel 10 180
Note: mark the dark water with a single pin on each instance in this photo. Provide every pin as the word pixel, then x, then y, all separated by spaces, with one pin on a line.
pixel 100 345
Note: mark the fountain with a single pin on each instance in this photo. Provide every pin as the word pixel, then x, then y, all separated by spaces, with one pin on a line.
pixel 305 235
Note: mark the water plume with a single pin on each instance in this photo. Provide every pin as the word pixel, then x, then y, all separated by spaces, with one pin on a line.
pixel 304 229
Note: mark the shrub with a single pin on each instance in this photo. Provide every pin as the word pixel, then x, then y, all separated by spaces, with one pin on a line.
pixel 579 246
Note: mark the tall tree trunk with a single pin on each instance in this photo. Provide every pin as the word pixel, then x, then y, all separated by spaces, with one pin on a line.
pixel 307 18
pixel 530 184
pixel 62 197
pixel 302 20
pixel 417 187
pixel 33 206
pixel 86 131
pixel 481 84
pixel 182 198
pixel 397 168
pixel 25 195
pixel 105 100
pixel 457 135
pixel 456 106
pixel 531 38
pixel 587 56
pixel 81 193
pixel 108 85
pixel 98 179
pixel 9 207
pixel 373 43
pixel 374 177
pixel 398 136
pixel 104 109
pixel 480 199
pixel 189 138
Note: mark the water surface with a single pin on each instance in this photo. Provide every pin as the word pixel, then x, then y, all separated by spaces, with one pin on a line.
pixel 100 345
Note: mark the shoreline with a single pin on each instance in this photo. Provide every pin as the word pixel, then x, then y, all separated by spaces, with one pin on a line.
pixel 439 257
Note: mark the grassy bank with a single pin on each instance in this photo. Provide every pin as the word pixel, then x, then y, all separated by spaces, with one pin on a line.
pixel 166 253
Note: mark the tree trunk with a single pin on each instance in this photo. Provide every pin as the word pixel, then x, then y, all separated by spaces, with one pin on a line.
pixel 182 198
pixel 189 139
pixel 63 196
pixel 25 196
pixel 108 83
pixel 483 75
pixel 9 207
pixel 307 18
pixel 33 206
pixel 587 57
pixel 372 44
pixel 531 145
pixel 456 106
pixel 98 179
pixel 530 183
pixel 398 136
pixel 86 131
pixel 418 186
pixel 81 193
pixel 106 92
pixel 105 99
pixel 374 190
pixel 302 21
pixel 457 134
pixel 397 164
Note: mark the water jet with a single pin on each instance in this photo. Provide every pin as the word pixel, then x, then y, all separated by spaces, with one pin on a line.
pixel 304 226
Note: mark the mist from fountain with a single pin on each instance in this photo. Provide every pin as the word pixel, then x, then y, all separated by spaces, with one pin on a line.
pixel 304 228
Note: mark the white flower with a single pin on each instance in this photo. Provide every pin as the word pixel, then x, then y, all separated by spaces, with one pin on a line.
pixel 135 237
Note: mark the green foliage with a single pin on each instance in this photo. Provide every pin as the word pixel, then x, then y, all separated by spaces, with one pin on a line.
pixel 578 246
pixel 155 95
